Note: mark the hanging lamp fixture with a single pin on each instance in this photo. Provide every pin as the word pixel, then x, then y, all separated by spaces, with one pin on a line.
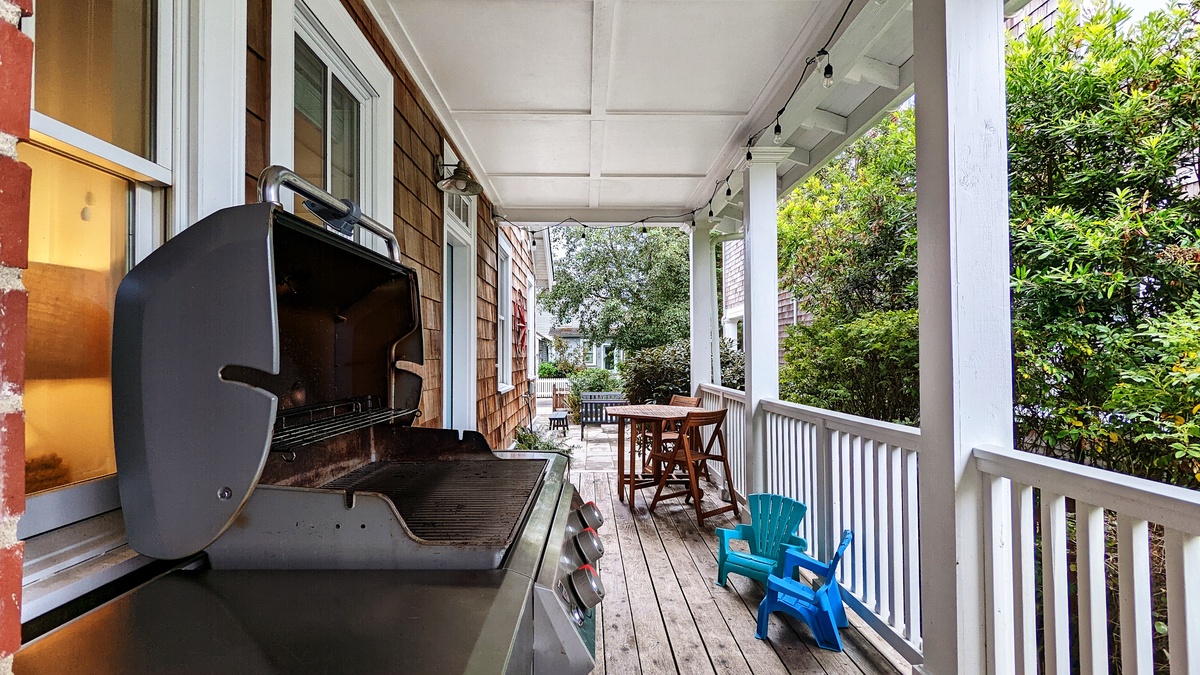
pixel 459 182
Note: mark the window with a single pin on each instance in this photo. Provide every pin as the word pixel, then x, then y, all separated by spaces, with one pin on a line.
pixel 327 128
pixel 504 318
pixel 331 117
pixel 101 152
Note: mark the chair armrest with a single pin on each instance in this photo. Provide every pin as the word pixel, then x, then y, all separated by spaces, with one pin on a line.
pixel 793 559
pixel 742 531
pixel 794 542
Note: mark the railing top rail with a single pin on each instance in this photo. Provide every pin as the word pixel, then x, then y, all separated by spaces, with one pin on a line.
pixel 885 432
pixel 722 391
pixel 1168 505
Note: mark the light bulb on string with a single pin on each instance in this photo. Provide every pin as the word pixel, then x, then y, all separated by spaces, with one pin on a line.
pixel 778 133
pixel 644 229
pixel 710 215
pixel 728 191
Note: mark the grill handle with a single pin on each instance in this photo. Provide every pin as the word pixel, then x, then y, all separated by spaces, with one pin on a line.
pixel 275 177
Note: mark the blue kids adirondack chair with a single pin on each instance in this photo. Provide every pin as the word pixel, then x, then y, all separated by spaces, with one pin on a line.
pixel 820 608
pixel 772 530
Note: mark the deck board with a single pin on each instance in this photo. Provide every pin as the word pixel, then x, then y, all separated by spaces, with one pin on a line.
pixel 662 612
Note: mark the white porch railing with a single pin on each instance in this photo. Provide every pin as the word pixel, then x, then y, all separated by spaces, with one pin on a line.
pixel 546 386
pixel 853 474
pixel 714 397
pixel 1061 517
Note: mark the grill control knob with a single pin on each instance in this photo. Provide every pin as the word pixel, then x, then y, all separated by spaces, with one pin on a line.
pixel 591 515
pixel 587 586
pixel 589 545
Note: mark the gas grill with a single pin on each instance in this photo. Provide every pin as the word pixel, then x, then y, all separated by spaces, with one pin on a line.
pixel 266 376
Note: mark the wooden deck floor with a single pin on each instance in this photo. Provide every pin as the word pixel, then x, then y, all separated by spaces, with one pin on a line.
pixel 662 613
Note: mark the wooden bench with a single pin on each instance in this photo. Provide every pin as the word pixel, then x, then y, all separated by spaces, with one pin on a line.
pixel 593 408
pixel 558 420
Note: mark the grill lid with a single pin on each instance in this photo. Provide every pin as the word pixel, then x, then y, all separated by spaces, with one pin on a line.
pixel 247 313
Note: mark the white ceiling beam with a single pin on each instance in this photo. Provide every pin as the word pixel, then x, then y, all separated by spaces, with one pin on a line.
pixel 587 115
pixel 543 215
pixel 635 176
pixel 602 39
pixel 876 72
pixel 824 119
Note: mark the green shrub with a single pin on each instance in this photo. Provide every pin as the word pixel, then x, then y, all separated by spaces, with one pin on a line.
pixel 657 373
pixel 541 440
pixel 548 370
pixel 865 367
pixel 592 379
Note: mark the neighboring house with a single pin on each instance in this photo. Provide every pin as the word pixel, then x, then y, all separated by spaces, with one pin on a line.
pixel 732 299
pixel 602 355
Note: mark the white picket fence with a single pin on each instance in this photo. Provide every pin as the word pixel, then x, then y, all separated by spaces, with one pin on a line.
pixel 546 386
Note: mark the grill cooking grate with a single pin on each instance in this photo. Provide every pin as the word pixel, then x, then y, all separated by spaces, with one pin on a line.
pixel 299 427
pixel 479 502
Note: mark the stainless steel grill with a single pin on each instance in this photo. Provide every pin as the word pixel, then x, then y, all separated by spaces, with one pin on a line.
pixel 480 501
pixel 266 376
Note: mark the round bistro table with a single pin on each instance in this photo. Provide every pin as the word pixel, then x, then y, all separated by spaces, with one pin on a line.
pixel 654 415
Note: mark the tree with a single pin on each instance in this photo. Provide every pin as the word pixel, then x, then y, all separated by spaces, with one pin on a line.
pixel 622 286
pixel 1104 134
pixel 848 235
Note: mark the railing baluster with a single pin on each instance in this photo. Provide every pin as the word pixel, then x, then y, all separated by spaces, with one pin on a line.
pixel 895 528
pixel 1025 609
pixel 1093 609
pixel 878 541
pixel 1054 583
pixel 1183 601
pixel 1133 571
pixel 912 578
pixel 997 532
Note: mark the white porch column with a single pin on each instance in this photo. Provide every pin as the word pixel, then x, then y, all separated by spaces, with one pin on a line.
pixel 966 372
pixel 760 329
pixel 703 303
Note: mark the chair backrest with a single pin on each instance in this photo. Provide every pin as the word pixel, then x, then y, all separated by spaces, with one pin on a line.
pixel 774 518
pixel 602 396
pixel 596 412
pixel 685 401
pixel 847 535
pixel 703 418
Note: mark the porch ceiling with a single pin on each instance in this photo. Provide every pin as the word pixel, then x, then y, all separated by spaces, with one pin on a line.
pixel 611 110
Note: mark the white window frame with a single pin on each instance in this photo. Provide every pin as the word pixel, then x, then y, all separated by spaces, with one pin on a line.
pixel 330 31
pixel 460 376
pixel 198 148
pixel 504 311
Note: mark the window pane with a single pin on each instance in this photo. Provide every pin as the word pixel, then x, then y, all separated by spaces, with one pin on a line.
pixel 310 121
pixel 78 227
pixel 344 143
pixel 94 68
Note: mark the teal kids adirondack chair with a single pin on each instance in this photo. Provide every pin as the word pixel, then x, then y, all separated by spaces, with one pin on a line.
pixel 821 607
pixel 772 530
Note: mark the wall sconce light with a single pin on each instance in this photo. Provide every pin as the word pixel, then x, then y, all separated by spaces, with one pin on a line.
pixel 459 182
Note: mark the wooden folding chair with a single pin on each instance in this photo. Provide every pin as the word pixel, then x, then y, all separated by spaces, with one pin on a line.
pixel 669 433
pixel 687 452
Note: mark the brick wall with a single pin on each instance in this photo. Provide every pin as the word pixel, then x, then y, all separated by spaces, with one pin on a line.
pixel 16 61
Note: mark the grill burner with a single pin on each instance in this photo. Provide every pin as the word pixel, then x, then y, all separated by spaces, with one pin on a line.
pixel 477 501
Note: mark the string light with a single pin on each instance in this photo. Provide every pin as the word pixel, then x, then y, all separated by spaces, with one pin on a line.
pixel 778 132
pixel 728 191
pixel 644 229
pixel 820 58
